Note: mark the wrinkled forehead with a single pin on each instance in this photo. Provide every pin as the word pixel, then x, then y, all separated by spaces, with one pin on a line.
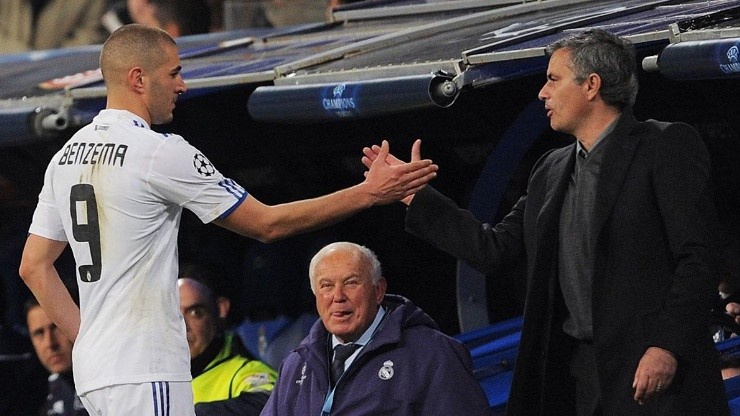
pixel 343 261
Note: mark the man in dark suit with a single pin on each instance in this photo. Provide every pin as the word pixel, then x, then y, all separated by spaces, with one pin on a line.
pixel 617 231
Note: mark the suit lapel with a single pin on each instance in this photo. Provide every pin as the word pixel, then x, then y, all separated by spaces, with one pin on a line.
pixel 618 156
pixel 557 181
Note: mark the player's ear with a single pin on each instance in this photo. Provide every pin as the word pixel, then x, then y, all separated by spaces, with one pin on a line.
pixel 136 79
pixel 224 306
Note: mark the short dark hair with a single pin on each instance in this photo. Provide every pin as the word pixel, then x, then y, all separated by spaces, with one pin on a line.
pixel 29 304
pixel 133 43
pixel 191 16
pixel 611 57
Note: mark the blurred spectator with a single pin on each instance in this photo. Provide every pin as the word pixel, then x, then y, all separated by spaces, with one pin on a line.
pixel 54 351
pixel 176 17
pixel 217 14
pixel 241 14
pixel 216 283
pixel 49 24
pixel 22 378
pixel 281 13
pixel 238 14
pixel 116 15
pixel 225 380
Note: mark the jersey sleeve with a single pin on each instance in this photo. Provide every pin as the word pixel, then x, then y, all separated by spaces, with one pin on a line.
pixel 47 221
pixel 181 174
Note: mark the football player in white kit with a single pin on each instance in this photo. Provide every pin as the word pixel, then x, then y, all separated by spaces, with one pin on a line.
pixel 115 193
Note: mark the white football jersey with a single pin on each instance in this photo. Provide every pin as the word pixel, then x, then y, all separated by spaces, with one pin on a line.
pixel 115 192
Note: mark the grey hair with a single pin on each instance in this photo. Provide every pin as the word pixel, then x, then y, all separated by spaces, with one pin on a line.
pixel 360 253
pixel 611 57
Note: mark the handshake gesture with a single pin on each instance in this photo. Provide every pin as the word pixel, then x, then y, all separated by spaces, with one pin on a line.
pixel 393 178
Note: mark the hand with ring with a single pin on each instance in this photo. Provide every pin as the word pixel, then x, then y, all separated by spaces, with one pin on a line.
pixel 654 373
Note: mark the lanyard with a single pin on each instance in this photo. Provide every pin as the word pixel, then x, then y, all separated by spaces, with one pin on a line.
pixel 329 400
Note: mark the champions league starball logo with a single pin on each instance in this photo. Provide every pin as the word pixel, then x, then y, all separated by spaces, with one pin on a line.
pixel 733 66
pixel 338 90
pixel 732 54
pixel 203 166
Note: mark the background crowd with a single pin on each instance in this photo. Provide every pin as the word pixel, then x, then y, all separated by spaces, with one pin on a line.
pixel 49 24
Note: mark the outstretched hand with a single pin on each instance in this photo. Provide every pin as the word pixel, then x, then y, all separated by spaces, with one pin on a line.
pixel 371 153
pixel 392 179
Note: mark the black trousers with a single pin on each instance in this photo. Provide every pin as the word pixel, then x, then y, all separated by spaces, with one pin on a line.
pixel 583 370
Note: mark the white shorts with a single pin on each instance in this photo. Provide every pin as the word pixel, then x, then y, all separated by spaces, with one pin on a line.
pixel 161 398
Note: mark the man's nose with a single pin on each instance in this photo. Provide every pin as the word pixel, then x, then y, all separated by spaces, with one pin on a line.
pixel 339 295
pixel 542 94
pixel 51 340
pixel 182 87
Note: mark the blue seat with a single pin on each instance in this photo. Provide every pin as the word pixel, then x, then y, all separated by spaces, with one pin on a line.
pixel 477 337
pixel 734 406
pixel 496 388
pixel 732 387
pixel 495 356
pixel 729 346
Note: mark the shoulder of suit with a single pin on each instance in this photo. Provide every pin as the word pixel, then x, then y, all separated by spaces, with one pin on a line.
pixel 554 155
pixel 659 129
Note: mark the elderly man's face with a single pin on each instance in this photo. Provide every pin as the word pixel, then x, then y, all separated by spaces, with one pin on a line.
pixel 346 298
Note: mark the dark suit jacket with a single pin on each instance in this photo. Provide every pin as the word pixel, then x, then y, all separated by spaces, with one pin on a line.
pixel 654 272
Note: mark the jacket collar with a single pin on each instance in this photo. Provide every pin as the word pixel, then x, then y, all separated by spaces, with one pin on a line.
pixel 618 156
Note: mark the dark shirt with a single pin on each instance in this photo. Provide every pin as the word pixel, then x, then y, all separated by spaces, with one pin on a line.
pixel 576 244
pixel 62 399
pixel 36 7
pixel 22 378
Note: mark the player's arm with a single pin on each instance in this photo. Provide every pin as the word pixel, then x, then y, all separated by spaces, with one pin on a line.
pixel 38 272
pixel 384 183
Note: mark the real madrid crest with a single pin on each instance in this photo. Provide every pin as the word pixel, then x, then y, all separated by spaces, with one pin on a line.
pixel 386 371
